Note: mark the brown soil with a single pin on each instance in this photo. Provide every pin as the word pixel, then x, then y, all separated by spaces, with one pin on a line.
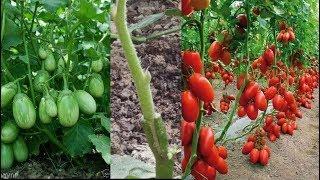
pixel 162 58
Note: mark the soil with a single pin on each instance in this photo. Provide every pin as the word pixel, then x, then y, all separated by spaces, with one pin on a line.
pixel 161 57
pixel 58 167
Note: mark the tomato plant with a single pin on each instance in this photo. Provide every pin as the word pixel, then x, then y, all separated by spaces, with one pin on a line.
pixel 55 83
pixel 264 47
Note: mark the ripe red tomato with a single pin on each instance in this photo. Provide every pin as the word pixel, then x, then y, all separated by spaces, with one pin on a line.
pixel 267 149
pixel 221 166
pixel 280 115
pixel 223 152
pixel 213 157
pixel 263 157
pixel 254 155
pixel 186 8
pixel 281 121
pixel 278 102
pixel 270 92
pixel 240 80
pixel 252 111
pixel 286 37
pixel 252 138
pixel 268 56
pixel 280 37
pixel 190 106
pixel 261 101
pixel 276 130
pixel 200 4
pixel 292 37
pixel 241 111
pixel 248 146
pixel 290 129
pixel 268 120
pixel 184 163
pixel 192 59
pixel 242 20
pixel 187 132
pixel 215 51
pixel 211 173
pixel 206 141
pixel 289 97
pixel 199 169
pixel 251 90
pixel 187 151
pixel 201 87
pixel 284 128
pixel 274 81
pixel 226 57
pixel 272 137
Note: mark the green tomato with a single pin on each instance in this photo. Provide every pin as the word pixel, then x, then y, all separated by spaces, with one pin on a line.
pixel 86 102
pixel 24 112
pixel 7 93
pixel 9 132
pixel 68 109
pixel 6 156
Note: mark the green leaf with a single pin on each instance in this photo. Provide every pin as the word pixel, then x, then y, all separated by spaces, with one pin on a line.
pixel 53 5
pixel 146 21
pixel 12 35
pixel 76 138
pixel 129 167
pixel 102 144
pixel 105 122
pixel 88 11
pixel 262 22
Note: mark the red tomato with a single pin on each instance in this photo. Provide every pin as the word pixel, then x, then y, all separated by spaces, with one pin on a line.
pixel 281 121
pixel 251 90
pixel 267 149
pixel 252 138
pixel 186 8
pixel 206 141
pixel 280 37
pixel 248 146
pixel 223 152
pixel 215 51
pixel 272 137
pixel 201 87
pixel 268 56
pixel 213 157
pixel 252 111
pixel 290 129
pixel 241 111
pixel 263 157
pixel 208 75
pixel 286 37
pixel 211 171
pixel 226 57
pixel 200 4
pixel 276 130
pixel 289 97
pixel 254 156
pixel 280 115
pixel 187 132
pixel 292 37
pixel 268 120
pixel 221 166
pixel 184 163
pixel 242 20
pixel 190 106
pixel 284 128
pixel 199 169
pixel 261 101
pixel 240 80
pixel 274 81
pixel 192 59
pixel 278 102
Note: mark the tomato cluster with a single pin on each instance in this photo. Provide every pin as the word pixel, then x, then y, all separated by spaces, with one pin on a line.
pixel 251 100
pixel 217 51
pixel 307 83
pixel 225 103
pixel 257 149
pixel 286 34
pixel 266 59
pixel 210 157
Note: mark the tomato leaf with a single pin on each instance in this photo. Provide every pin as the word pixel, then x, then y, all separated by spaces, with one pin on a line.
pixel 12 35
pixel 88 11
pixel 76 138
pixel 102 144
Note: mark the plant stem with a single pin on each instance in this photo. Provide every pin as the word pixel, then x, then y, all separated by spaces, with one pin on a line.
pixel 152 121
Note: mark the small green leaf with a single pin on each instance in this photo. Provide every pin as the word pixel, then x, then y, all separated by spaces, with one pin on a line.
pixel 12 35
